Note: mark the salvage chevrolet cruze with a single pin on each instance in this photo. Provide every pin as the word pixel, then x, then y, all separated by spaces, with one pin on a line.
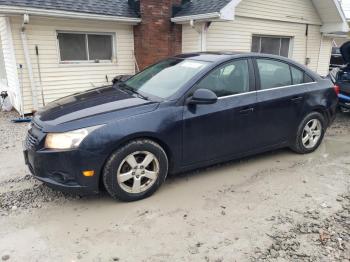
pixel 182 113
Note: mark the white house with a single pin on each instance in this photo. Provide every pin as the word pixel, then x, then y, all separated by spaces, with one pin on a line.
pixel 300 29
pixel 50 49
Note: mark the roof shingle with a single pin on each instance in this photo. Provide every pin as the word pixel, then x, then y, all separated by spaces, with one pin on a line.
pixel 196 7
pixel 117 8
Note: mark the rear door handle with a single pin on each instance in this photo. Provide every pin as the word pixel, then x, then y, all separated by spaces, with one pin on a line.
pixel 247 111
pixel 297 99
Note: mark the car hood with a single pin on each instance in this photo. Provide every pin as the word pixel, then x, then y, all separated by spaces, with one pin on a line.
pixel 100 104
pixel 345 52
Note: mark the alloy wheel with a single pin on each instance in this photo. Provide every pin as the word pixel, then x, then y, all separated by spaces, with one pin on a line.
pixel 138 172
pixel 312 133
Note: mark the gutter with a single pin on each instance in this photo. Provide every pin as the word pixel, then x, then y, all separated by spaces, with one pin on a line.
pixel 15 10
pixel 336 35
pixel 184 19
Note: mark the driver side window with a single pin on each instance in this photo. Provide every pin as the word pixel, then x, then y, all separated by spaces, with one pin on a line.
pixel 229 79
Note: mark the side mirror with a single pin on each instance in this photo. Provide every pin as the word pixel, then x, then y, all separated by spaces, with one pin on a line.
pixel 203 97
pixel 121 78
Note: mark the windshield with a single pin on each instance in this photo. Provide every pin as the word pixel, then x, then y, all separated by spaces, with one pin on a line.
pixel 165 78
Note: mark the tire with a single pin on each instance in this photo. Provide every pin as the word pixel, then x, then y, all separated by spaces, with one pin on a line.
pixel 311 145
pixel 124 176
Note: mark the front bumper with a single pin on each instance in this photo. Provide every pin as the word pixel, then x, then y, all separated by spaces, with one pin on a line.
pixel 62 170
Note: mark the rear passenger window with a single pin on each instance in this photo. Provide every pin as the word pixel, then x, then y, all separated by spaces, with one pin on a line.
pixel 297 75
pixel 273 73
pixel 308 79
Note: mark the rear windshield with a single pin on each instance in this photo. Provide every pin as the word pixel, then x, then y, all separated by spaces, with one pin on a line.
pixel 165 78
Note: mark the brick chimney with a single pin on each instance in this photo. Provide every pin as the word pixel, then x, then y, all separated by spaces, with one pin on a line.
pixel 156 37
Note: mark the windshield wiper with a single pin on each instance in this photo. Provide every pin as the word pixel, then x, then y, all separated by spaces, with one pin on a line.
pixel 128 88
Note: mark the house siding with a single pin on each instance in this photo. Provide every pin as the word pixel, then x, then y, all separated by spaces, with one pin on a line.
pixel 60 80
pixel 296 11
pixel 237 35
pixel 325 55
pixel 9 60
pixel 190 39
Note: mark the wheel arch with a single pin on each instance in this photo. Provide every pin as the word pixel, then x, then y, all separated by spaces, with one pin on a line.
pixel 133 137
pixel 323 111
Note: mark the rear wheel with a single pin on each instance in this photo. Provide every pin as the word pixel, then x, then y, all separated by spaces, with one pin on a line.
pixel 310 134
pixel 136 170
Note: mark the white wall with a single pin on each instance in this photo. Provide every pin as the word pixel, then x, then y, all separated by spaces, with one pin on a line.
pixel 296 11
pixel 346 7
pixel 59 80
pixel 3 77
pixel 12 86
pixel 237 35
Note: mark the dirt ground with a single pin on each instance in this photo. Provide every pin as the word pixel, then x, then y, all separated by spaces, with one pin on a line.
pixel 277 206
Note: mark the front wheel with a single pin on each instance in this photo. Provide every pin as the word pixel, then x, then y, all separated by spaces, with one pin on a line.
pixel 310 133
pixel 136 170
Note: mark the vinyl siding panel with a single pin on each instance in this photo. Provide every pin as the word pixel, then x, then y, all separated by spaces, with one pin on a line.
pixel 272 18
pixel 9 60
pixel 297 11
pixel 325 56
pixel 237 36
pixel 58 79
pixel 190 39
pixel 3 76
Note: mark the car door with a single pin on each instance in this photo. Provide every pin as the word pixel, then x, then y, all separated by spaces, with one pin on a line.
pixel 225 128
pixel 280 100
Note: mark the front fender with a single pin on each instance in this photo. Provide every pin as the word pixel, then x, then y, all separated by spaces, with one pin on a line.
pixel 163 125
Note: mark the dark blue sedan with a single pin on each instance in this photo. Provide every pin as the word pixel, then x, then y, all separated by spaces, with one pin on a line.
pixel 182 113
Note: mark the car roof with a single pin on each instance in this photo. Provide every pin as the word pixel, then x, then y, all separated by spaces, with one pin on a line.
pixel 223 56
pixel 209 56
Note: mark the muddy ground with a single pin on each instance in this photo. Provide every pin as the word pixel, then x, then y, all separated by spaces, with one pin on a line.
pixel 277 206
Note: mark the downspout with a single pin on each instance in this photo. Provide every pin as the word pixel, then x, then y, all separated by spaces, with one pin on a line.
pixel 307 58
pixel 28 62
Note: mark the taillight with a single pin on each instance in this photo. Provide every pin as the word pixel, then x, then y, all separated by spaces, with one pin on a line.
pixel 336 89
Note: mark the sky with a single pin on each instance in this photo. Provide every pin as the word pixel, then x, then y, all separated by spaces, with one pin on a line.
pixel 346 7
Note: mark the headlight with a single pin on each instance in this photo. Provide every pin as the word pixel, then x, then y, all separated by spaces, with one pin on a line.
pixel 67 140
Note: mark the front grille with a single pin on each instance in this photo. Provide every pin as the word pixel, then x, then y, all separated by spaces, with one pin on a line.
pixel 31 141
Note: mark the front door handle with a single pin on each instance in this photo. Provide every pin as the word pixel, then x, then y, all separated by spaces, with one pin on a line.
pixel 247 111
pixel 297 99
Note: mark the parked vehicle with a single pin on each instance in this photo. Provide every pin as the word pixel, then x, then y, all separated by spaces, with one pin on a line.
pixel 182 113
pixel 341 78
pixel 336 58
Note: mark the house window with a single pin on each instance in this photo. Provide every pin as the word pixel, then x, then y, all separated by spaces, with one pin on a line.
pixel 85 47
pixel 271 45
